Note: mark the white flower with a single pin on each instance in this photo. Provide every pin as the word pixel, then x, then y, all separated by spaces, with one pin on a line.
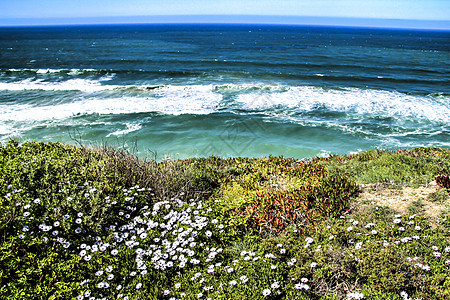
pixel 138 286
pixel 199 295
pixel 350 228
pixel 26 214
pixel 313 264
pixel 355 295
pixel 99 273
pixel 232 282
pixel 114 252
pixel 266 292
pixel 275 285
pixel 374 232
pixel 401 228
pixel 78 221
pixel 208 233
pixel 447 249
pixel 417 228
pixel 435 248
pixel 304 280
pixel 243 279
pixel 397 221
pixel 273 267
pixel 177 285
pixel 110 277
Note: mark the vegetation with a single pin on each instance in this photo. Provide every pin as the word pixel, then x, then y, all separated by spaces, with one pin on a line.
pixel 102 224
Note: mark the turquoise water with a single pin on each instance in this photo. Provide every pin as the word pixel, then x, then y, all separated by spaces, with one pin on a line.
pixel 226 90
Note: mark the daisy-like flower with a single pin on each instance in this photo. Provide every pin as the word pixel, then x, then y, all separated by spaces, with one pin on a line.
pixel 99 273
pixel 266 292
pixel 114 252
pixel 313 265
pixel 374 232
pixel 138 286
pixel 304 280
pixel 177 285
pixel 110 276
pixel 273 267
pixel 275 285
pixel 232 283
pixel 26 214
pixel 243 279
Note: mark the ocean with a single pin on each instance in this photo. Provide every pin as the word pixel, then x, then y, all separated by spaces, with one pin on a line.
pixel 196 90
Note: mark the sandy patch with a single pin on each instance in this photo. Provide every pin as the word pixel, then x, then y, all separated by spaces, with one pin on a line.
pixel 399 198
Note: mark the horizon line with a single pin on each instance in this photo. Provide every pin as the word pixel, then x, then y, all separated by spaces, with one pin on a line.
pixel 231 19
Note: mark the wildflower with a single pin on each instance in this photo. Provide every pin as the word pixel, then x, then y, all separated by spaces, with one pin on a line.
pixel 437 254
pixel 243 279
pixel 374 232
pixel 87 257
pixel 26 214
pixel 166 292
pixel 282 251
pixel 232 282
pixel 266 292
pixel 358 245
pixel 199 295
pixel 78 221
pixel 110 276
pixel 273 267
pixel 78 230
pixel 401 228
pixel 447 249
pixel 304 280
pixel 417 228
pixel 37 200
pixel 302 286
pixel 114 252
pixel 275 285
pixel 208 233
pixel 435 248
pixel 313 265
pixel 350 228
pixel 177 285
pixel 397 221
pixel 56 224
pixel 138 286
pixel 355 295
pixel 99 273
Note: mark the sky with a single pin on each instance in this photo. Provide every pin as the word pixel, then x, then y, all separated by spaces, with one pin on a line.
pixel 41 12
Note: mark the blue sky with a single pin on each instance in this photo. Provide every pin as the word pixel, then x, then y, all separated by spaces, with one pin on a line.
pixel 113 11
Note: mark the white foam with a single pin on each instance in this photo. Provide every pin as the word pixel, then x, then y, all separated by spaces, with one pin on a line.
pixel 84 85
pixel 174 100
pixel 359 101
pixel 130 128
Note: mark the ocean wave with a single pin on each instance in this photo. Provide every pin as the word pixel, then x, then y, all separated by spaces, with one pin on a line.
pixel 271 100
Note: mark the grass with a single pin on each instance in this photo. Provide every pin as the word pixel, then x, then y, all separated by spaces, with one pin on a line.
pixel 101 224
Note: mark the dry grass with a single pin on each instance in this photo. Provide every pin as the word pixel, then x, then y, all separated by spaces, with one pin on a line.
pixel 401 198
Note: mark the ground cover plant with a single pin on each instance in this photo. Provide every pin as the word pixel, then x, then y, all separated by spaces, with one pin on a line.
pixel 99 223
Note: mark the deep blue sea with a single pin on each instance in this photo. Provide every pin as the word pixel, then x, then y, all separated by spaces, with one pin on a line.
pixel 226 90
